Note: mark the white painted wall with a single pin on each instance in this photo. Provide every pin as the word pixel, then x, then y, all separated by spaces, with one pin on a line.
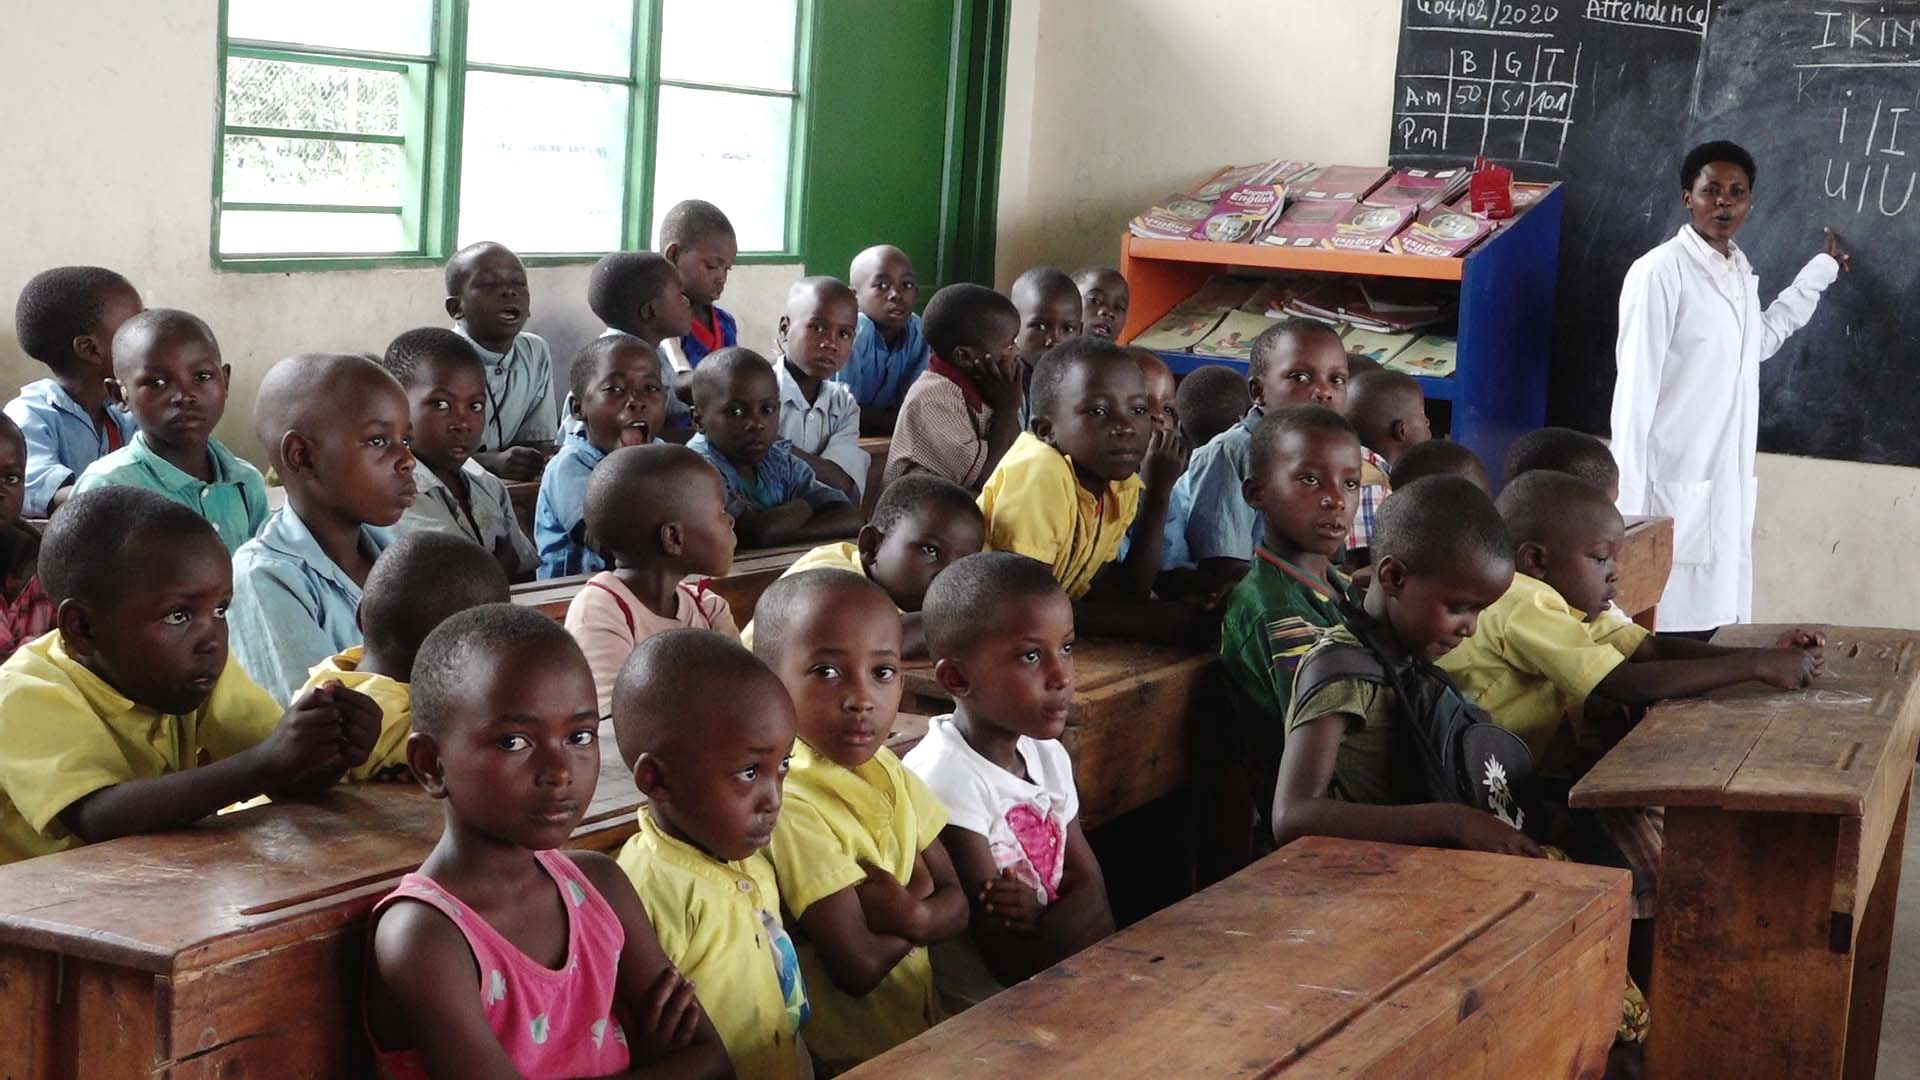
pixel 108 160
pixel 1113 103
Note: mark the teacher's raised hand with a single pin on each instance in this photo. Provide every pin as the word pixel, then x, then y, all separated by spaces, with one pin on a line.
pixel 1840 254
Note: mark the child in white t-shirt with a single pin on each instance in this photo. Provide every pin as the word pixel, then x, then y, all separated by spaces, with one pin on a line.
pixel 1001 632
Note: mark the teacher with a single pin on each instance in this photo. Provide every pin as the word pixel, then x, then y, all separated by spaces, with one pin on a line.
pixel 1686 403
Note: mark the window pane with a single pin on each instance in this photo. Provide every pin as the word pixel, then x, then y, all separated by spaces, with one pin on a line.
pixel 736 42
pixel 253 232
pixel 315 97
pixel 313 171
pixel 568 35
pixel 544 163
pixel 389 26
pixel 730 149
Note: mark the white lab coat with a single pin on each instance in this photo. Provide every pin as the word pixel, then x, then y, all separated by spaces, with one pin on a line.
pixel 1686 412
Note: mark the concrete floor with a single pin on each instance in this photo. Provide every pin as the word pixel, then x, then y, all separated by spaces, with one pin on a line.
pixel 1900 1026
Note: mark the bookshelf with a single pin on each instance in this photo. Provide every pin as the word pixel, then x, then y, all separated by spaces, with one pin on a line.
pixel 1497 392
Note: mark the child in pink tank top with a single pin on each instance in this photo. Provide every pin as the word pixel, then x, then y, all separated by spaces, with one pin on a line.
pixel 502 956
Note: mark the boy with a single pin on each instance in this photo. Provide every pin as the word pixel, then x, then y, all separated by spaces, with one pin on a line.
pixel 920 526
pixel 26 611
pixel 415 585
pixel 889 352
pixel 1162 393
pixel 335 428
pixel 818 416
pixel 1297 362
pixel 659 513
pixel 699 241
pixel 1211 399
pixel 168 374
pixel 104 722
pixel 66 319
pixel 640 294
pixel 1441 457
pixel 712 766
pixel 1003 634
pixel 1303 481
pixel 1568 451
pixel 774 497
pixel 489 303
pixel 1388 411
pixel 446 390
pixel 1103 300
pixel 858 855
pixel 1071 487
pixel 960 416
pixel 1049 307
pixel 618 397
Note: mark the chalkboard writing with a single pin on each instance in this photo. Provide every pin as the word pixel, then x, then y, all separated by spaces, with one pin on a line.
pixel 1608 95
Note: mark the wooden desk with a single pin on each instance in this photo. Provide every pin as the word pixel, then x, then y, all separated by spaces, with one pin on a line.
pixel 1645 561
pixel 1786 818
pixel 752 572
pixel 1327 957
pixel 234 948
pixel 1127 733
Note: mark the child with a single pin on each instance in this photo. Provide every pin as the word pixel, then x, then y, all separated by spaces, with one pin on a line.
pixel 415 586
pixel 335 427
pixel 502 955
pixel 446 392
pixel 619 397
pixel 488 300
pixel 960 416
pixel 26 611
pixel 1162 394
pixel 1071 487
pixel 1211 399
pixel 168 374
pixel 640 294
pixel 774 497
pixel 1297 362
pixel 1303 477
pixel 858 856
pixel 660 513
pixel 1441 557
pixel 1003 634
pixel 818 416
pixel 889 351
pixel 920 526
pixel 711 765
pixel 1049 307
pixel 1388 411
pixel 66 319
pixel 699 241
pixel 105 722
pixel 1567 451
pixel 1103 300
pixel 1441 457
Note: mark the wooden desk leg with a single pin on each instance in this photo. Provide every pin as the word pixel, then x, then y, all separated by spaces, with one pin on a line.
pixel 1872 951
pixel 1745 982
pixel 29 983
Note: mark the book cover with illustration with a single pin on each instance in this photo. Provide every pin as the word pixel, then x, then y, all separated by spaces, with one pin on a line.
pixel 1172 218
pixel 1274 294
pixel 1423 189
pixel 1179 330
pixel 1345 183
pixel 1233 338
pixel 1447 234
pixel 1432 355
pixel 1367 227
pixel 1241 213
pixel 1306 222
pixel 1376 346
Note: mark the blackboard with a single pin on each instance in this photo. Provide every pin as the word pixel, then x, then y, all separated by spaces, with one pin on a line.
pixel 1608 96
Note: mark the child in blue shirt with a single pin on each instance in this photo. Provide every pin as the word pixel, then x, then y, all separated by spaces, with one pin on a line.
pixel 889 352
pixel 774 497
pixel 66 319
pixel 640 294
pixel 335 428
pixel 699 241
pixel 488 299
pixel 619 399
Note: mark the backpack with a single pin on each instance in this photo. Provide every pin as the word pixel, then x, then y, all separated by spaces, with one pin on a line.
pixel 1459 752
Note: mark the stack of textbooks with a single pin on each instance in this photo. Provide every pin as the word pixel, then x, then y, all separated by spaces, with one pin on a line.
pixel 1232 206
pixel 1382 305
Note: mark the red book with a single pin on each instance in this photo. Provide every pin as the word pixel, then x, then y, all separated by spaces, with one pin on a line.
pixel 1349 183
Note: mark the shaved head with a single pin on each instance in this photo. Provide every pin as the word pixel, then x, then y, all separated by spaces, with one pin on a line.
pixel 683 686
pixel 138 336
pixel 301 390
pixel 637 489
pixel 869 262
pixel 820 289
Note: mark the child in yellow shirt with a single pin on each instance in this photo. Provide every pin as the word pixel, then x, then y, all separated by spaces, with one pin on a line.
pixel 858 855
pixel 414 586
pixel 711 764
pixel 103 721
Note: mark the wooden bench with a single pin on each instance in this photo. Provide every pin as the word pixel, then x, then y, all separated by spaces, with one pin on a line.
pixel 1645 561
pixel 752 572
pixel 1328 957
pixel 1127 733
pixel 1786 816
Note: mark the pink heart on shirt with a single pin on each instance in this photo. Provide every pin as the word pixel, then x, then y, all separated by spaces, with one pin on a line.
pixel 1040 838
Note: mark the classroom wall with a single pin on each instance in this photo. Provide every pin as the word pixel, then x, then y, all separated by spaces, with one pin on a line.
pixel 109 159
pixel 1113 103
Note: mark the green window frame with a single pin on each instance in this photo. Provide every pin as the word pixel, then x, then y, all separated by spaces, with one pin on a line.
pixel 431 135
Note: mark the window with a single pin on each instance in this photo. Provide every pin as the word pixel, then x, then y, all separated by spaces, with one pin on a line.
pixel 375 131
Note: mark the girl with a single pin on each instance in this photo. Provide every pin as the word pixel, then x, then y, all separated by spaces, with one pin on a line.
pixel 26 612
